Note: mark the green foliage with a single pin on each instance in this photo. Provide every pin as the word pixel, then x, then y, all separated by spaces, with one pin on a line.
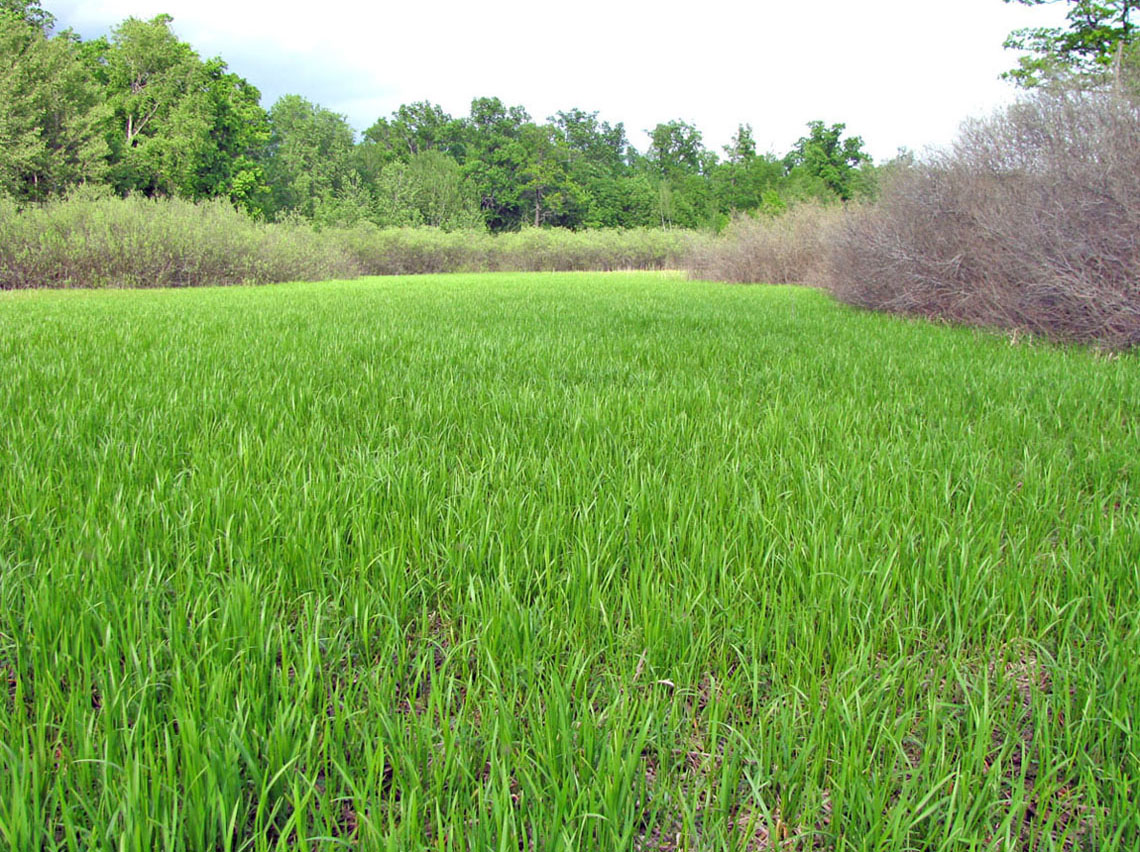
pixel 151 76
pixel 495 159
pixel 559 563
pixel 142 112
pixel 624 201
pixel 308 164
pixel 825 155
pixel 742 148
pixel 591 141
pixel 747 180
pixel 30 12
pixel 180 126
pixel 545 174
pixel 50 113
pixel 771 203
pixel 428 189
pixel 687 201
pixel 599 189
pixel 676 149
pixel 1097 35
pixel 415 129
pixel 227 162
pixel 1128 79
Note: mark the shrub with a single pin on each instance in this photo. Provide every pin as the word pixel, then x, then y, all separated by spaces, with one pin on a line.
pixel 1031 221
pixel 110 242
pixel 413 251
pixel 785 248
pixel 559 250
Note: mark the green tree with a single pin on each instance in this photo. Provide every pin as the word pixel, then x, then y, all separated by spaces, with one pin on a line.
pixel 227 156
pixel 825 155
pixel 309 163
pixel 1093 43
pixel 50 111
pixel 591 140
pixel 180 126
pixel 495 159
pixel 675 148
pixel 148 73
pixel 31 12
pixel 745 180
pixel 627 201
pixel 597 170
pixel 415 128
pixel 679 165
pixel 428 189
pixel 545 173
pixel 742 148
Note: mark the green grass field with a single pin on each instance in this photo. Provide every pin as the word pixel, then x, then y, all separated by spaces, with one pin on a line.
pixel 560 562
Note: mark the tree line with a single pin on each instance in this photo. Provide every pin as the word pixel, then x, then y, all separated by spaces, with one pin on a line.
pixel 139 112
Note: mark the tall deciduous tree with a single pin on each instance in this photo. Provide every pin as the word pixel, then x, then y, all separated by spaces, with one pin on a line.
pixel 1095 39
pixel 31 12
pixel 50 110
pixel 495 159
pixel 826 155
pixel 309 163
pixel 589 139
pixel 746 180
pixel 596 157
pixel 679 165
pixel 149 72
pixel 181 126
pixel 675 148
pixel 227 156
pixel 428 189
pixel 545 172
pixel 415 128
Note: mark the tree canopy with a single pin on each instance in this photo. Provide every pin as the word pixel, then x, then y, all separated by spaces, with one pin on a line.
pixel 139 111
pixel 1097 34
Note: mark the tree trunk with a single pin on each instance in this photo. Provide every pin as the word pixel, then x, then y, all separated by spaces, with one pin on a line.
pixel 1117 87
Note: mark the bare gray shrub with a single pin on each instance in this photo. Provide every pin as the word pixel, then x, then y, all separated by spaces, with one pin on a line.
pixel 783 249
pixel 1031 221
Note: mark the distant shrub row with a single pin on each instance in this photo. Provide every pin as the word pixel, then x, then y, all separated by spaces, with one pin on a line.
pixel 137 243
pixel 108 242
pixel 404 251
pixel 1031 221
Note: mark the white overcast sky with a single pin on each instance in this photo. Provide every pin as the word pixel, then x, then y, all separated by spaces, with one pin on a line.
pixel 897 72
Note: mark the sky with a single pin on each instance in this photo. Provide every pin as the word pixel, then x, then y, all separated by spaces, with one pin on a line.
pixel 898 73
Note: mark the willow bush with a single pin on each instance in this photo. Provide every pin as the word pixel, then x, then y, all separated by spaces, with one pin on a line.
pixel 136 242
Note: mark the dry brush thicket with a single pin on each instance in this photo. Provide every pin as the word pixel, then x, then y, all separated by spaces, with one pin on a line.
pixel 781 249
pixel 1030 221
